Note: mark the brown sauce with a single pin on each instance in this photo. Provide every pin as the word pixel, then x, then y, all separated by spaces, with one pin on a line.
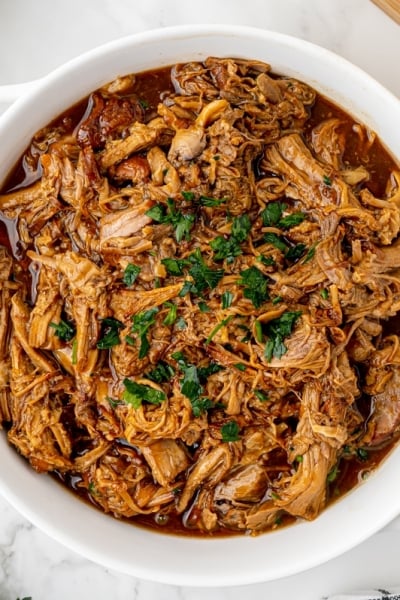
pixel 150 87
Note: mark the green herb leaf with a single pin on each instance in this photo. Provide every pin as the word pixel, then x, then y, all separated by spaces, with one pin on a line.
pixel 275 240
pixel 229 248
pixel 240 228
pixel 183 227
pixel 141 324
pixel 181 323
pixel 291 220
pixel 201 405
pixel 189 196
pixel 175 266
pixel 324 294
pixel 130 274
pixel 182 223
pixel 172 313
pixel 240 366
pixel 255 286
pixel 327 180
pixel 258 331
pixel 262 396
pixel 272 213
pixel 277 330
pixel 230 432
pixel 110 337
pixel 161 373
pixel 113 402
pixel 203 276
pixel 64 330
pixel 226 299
pixel 206 201
pixel 333 473
pixel 203 307
pixel 180 359
pixel 310 253
pixel 219 326
pixel 190 384
pixel 362 454
pixel 136 393
pixel 295 252
pixel 268 261
pixel 157 213
pixel 205 372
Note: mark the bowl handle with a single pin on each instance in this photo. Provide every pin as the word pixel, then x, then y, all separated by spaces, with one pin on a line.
pixel 10 93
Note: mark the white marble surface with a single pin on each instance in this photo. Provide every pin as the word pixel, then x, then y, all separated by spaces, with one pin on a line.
pixel 37 36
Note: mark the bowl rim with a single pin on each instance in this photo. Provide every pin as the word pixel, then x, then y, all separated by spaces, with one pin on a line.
pixel 336 521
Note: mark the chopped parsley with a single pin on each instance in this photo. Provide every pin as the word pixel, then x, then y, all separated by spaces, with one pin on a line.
pixel 203 200
pixel 141 324
pixel 201 405
pixel 203 276
pixel 324 294
pixel 310 253
pixel 291 220
pixel 206 201
pixel 219 326
pixel 255 286
pixel 189 196
pixel 192 389
pixel 230 432
pixel 292 253
pixel 267 261
pixel 327 180
pixel 110 330
pixel 175 266
pixel 277 330
pixel 203 307
pixel 362 454
pixel 205 372
pixel 130 274
pixel 258 331
pixel 113 402
pixel 64 330
pixel 272 213
pixel 182 222
pixel 172 313
pixel 240 366
pixel 181 323
pixel 226 299
pixel 295 252
pixel 136 393
pixel 275 240
pixel 262 396
pixel 161 373
pixel 191 383
pixel 229 248
pixel 333 473
pixel 272 216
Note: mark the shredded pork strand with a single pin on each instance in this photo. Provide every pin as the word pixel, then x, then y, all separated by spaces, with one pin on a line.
pixel 192 320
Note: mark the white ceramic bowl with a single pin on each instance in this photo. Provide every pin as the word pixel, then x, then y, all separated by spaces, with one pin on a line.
pixel 118 545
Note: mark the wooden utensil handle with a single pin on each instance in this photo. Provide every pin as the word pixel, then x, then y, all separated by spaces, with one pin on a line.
pixel 391 8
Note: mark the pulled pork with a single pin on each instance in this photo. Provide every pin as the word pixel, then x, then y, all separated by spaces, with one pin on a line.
pixel 192 316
